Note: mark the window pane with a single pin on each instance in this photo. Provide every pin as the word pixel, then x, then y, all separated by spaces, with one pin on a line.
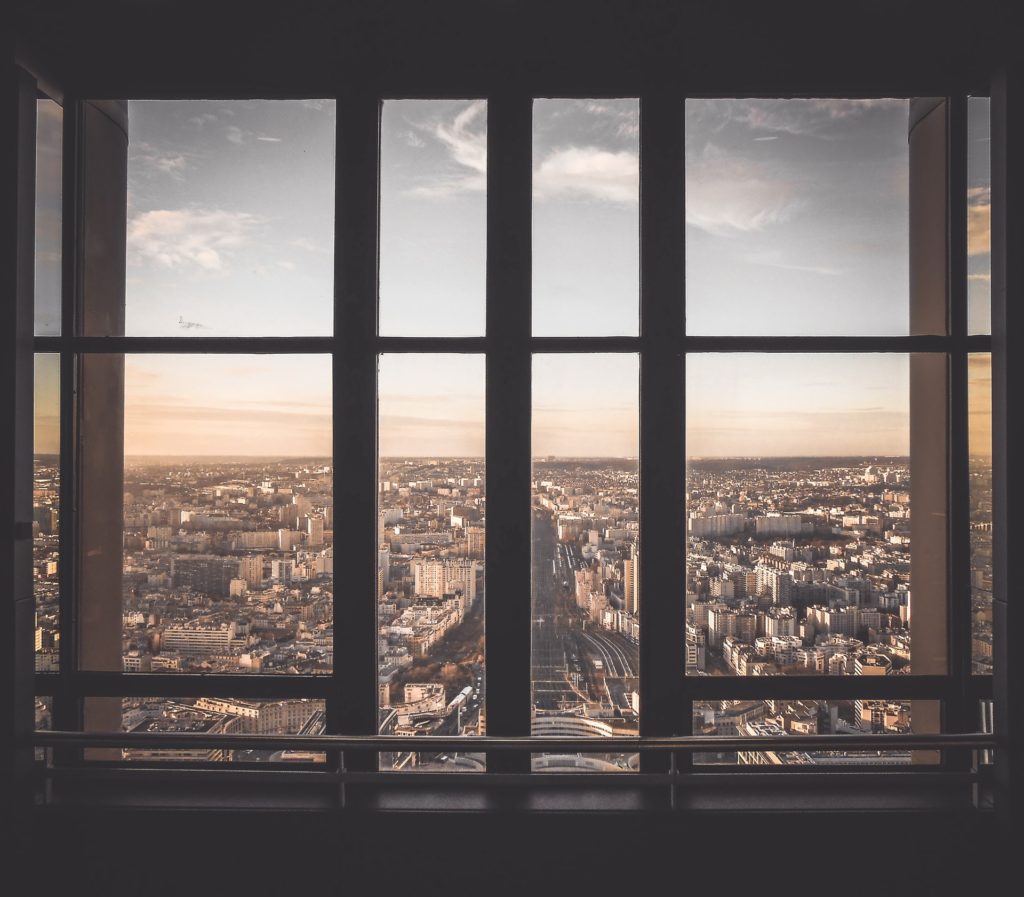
pixel 46 512
pixel 432 520
pixel 208 514
pixel 586 217
pixel 797 216
pixel 433 217
pixel 979 216
pixel 774 718
pixel 230 218
pixel 49 202
pixel 799 528
pixel 585 605
pixel 979 402
pixel 212 716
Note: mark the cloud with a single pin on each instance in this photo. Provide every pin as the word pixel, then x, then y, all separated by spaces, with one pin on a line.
pixel 269 139
pixel 798 117
pixel 308 245
pixel 627 118
pixel 465 140
pixel 202 119
pixel 726 195
pixel 172 164
pixel 588 172
pixel 774 259
pixel 979 220
pixel 172 238
pixel 414 140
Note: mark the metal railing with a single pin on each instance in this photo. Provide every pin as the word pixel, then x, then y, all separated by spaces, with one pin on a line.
pixel 535 744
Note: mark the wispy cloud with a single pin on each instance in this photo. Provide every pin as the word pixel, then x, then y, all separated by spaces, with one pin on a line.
pixel 465 140
pixel 726 195
pixel 171 238
pixel 775 259
pixel 626 119
pixel 170 163
pixel 308 245
pixel 798 117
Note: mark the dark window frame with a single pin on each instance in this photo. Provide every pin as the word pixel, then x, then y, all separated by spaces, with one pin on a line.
pixel 661 346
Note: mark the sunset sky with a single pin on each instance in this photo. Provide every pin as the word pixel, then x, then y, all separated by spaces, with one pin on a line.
pixel 796 224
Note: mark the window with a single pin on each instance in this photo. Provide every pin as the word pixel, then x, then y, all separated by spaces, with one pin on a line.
pixel 698 369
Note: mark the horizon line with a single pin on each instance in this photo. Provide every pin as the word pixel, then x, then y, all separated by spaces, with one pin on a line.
pixel 541 457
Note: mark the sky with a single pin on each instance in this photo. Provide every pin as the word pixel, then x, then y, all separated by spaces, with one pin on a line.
pixel 433 217
pixel 49 201
pixel 796 218
pixel 761 405
pixel 259 405
pixel 979 216
pixel 230 218
pixel 979 405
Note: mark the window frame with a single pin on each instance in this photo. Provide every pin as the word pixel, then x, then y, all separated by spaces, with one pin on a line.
pixel 509 346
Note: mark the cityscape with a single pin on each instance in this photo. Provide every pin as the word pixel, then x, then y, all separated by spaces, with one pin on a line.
pixel 793 567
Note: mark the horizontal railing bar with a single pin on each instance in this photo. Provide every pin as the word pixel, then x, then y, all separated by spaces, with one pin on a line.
pixel 458 778
pixel 461 778
pixel 194 776
pixel 537 744
pixel 326 344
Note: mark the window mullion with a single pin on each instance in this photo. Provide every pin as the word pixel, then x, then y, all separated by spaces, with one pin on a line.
pixel 508 434
pixel 352 709
pixel 664 709
pixel 67 711
pixel 959 716
pixel 17 194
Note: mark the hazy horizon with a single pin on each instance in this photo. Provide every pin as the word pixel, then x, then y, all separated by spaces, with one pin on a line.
pixel 796 219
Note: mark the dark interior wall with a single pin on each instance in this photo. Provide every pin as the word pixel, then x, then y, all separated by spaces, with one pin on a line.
pixel 169 47
pixel 569 854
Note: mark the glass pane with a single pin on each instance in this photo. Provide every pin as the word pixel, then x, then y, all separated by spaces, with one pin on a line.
pixel 49 221
pixel 432 520
pixel 433 217
pixel 979 405
pixel 213 716
pixel 46 512
pixel 585 605
pixel 208 513
pixel 230 218
pixel 586 217
pixel 774 718
pixel 797 216
pixel 799 516
pixel 979 216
